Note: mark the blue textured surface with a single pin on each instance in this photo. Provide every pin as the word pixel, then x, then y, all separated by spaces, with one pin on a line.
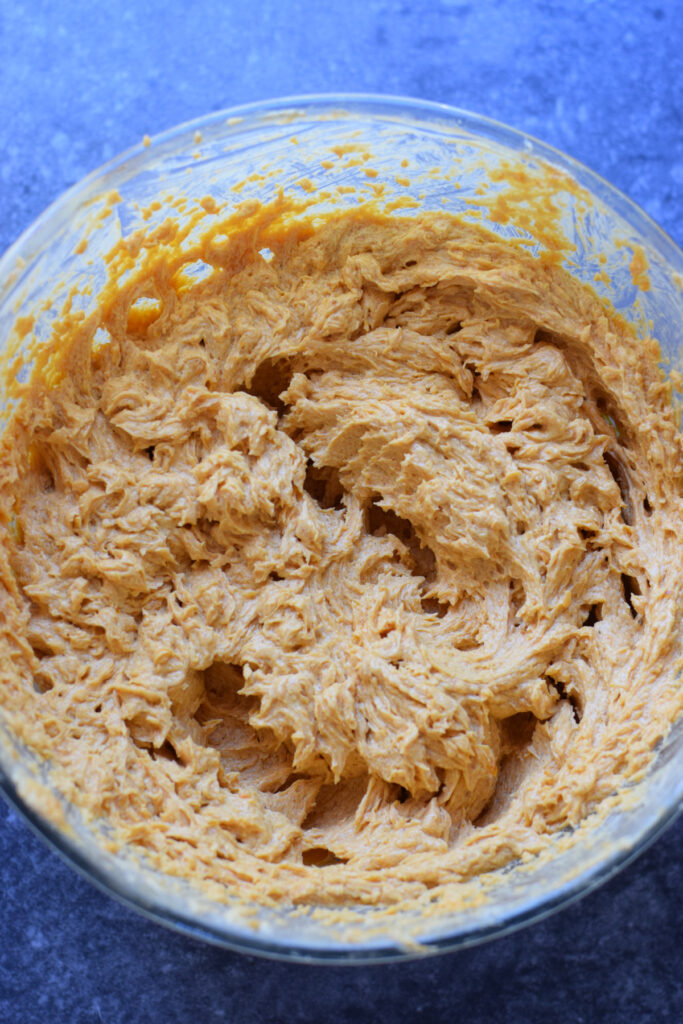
pixel 79 83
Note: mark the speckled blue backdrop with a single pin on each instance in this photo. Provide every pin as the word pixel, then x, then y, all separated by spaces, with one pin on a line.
pixel 81 81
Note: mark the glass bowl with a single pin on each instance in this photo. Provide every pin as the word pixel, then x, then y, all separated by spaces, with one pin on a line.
pixel 409 155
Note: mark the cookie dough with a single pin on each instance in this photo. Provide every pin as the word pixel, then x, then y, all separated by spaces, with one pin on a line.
pixel 351 569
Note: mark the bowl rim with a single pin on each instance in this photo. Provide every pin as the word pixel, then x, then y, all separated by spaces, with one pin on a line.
pixel 68 851
pixel 351 102
pixel 404 110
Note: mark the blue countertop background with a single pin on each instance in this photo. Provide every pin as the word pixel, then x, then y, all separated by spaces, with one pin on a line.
pixel 78 83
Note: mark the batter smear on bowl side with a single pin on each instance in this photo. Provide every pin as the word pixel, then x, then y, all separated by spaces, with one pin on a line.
pixel 352 568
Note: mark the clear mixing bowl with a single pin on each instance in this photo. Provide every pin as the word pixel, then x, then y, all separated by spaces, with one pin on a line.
pixel 413 156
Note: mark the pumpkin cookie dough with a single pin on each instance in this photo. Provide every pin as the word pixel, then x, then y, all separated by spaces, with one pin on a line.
pixel 351 569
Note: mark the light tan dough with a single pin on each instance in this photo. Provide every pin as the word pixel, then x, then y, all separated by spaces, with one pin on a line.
pixel 356 571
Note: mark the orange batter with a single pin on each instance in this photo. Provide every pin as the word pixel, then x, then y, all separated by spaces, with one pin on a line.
pixel 351 570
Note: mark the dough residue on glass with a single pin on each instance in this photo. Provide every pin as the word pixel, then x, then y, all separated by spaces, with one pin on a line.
pixel 351 569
